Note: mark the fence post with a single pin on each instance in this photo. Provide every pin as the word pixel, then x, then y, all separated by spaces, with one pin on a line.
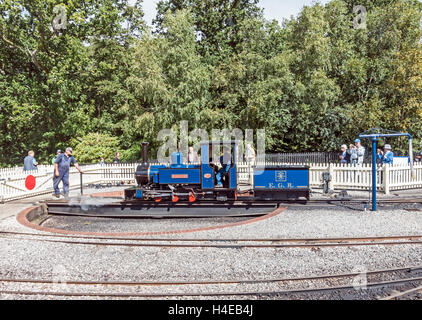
pixel 2 181
pixel 386 181
pixel 82 185
pixel 331 171
pixel 250 174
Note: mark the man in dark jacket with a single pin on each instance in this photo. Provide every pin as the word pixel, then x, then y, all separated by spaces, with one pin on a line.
pixel 344 156
pixel 117 158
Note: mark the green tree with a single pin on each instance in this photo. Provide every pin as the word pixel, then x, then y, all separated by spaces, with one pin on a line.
pixel 46 73
pixel 169 81
pixel 313 82
pixel 90 148
pixel 217 23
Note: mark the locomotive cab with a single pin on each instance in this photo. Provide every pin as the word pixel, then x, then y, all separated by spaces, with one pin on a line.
pixel 215 156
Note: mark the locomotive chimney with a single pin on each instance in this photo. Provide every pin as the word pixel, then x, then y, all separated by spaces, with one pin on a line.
pixel 145 152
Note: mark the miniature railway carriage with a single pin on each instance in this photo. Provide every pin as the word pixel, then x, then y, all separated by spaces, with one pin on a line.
pixel 215 178
pixel 281 182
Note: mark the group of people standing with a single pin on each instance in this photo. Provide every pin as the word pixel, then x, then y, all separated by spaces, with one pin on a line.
pixel 355 154
pixel 62 162
pixel 115 161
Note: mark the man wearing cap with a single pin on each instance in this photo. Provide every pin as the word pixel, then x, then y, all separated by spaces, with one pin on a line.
pixel 387 156
pixel 360 150
pixel 61 171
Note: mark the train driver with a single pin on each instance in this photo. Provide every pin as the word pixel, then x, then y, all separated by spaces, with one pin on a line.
pixel 226 162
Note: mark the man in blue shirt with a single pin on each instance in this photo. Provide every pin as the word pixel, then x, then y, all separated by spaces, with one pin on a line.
pixel 61 171
pixel 29 163
pixel 387 156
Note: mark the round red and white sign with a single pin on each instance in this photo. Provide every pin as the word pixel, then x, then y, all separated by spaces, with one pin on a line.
pixel 30 182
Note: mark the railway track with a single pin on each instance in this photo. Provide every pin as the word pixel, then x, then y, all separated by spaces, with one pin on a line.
pixel 403 294
pixel 199 209
pixel 312 287
pixel 306 240
pixel 274 243
pixel 148 209
pixel 312 201
pixel 251 201
pixel 95 208
pixel 387 284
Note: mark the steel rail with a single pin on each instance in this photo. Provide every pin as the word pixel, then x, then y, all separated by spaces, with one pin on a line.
pixel 402 294
pixel 287 240
pixel 210 294
pixel 227 246
pixel 315 201
pixel 156 215
pixel 253 202
pixel 62 208
pixel 205 282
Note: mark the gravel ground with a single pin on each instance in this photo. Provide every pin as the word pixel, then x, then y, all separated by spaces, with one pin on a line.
pixel 35 259
pixel 293 223
pixel 339 294
pixel 24 258
pixel 28 259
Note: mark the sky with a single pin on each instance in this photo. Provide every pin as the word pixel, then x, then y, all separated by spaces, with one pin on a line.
pixel 273 9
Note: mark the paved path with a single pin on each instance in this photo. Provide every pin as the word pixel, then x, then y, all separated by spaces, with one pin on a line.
pixel 12 208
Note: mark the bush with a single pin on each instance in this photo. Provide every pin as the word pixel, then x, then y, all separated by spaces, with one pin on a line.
pixel 132 154
pixel 90 148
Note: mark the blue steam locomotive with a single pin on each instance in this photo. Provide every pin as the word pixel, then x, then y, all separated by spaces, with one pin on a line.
pixel 192 182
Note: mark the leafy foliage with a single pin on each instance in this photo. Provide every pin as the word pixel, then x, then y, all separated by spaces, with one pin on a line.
pixel 90 148
pixel 312 82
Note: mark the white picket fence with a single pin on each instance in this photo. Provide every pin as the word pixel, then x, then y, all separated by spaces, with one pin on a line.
pixel 349 177
pixel 359 177
pixel 12 181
